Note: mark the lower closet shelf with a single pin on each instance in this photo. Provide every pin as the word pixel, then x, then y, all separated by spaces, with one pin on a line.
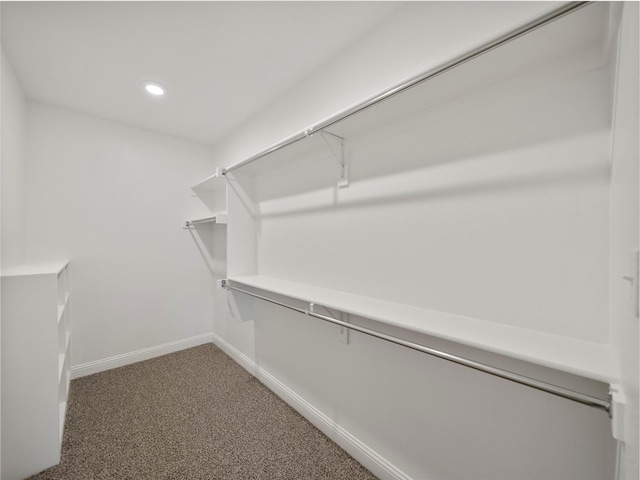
pixel 575 356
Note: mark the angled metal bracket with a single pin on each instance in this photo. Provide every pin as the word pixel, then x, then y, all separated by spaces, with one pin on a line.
pixel 343 335
pixel 336 147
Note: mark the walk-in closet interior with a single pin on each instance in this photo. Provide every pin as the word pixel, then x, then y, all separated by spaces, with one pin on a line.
pixel 415 222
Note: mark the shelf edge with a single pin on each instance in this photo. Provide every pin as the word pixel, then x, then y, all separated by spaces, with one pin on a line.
pixel 480 334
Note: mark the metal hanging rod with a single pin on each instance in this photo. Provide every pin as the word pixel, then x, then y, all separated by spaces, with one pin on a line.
pixel 591 401
pixel 219 218
pixel 513 35
pixel 201 220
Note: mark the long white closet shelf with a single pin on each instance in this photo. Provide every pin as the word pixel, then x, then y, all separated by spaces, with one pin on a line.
pixel 579 357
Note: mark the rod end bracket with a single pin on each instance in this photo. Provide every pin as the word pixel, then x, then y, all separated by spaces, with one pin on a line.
pixel 618 403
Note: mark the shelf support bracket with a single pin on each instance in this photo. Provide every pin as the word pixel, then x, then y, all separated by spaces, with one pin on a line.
pixel 335 144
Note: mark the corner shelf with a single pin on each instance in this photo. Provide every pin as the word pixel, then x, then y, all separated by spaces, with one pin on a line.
pixel 211 183
pixel 213 192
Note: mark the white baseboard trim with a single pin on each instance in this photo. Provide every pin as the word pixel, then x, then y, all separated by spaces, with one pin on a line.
pixel 96 366
pixel 371 460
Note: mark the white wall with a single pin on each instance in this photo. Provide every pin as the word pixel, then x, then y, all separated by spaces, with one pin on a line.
pixel 12 143
pixel 112 199
pixel 13 124
pixel 525 213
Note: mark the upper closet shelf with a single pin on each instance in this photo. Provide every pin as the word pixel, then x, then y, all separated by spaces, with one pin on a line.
pixel 578 357
pixel 574 44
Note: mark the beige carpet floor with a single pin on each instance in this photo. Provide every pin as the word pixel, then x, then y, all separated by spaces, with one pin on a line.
pixel 193 414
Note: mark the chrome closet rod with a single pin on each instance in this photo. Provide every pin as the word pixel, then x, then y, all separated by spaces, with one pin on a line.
pixel 591 401
pixel 527 28
pixel 201 220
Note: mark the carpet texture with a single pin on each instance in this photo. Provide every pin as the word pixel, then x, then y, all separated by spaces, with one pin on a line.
pixel 193 414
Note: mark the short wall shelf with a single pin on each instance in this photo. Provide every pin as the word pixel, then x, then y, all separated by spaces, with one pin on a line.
pixel 213 193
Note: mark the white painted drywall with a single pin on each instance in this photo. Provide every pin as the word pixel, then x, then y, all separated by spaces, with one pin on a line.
pixel 13 109
pixel 428 418
pixel 531 215
pixel 112 199
pixel 624 236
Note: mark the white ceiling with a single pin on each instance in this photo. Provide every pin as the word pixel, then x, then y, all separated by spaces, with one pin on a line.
pixel 220 61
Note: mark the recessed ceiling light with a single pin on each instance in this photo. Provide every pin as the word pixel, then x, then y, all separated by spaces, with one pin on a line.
pixel 154 88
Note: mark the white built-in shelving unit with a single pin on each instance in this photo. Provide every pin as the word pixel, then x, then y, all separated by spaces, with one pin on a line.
pixel 565 63
pixel 544 97
pixel 36 366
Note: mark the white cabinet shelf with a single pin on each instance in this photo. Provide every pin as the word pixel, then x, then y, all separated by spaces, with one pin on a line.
pixel 586 359
pixel 36 366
